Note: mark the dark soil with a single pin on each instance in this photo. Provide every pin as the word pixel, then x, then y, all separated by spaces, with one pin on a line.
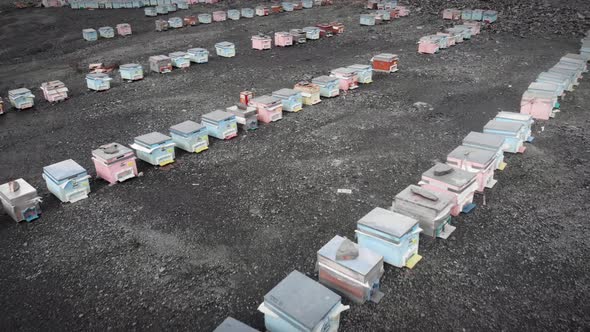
pixel 184 247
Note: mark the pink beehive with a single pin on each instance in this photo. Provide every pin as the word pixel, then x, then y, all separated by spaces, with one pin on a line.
pixel 269 108
pixel 428 45
pixel 460 183
pixel 539 105
pixel 449 37
pixel 447 14
pixel 479 161
pixel 403 11
pixel 54 91
pixel 474 25
pixel 123 29
pixel 261 42
pixel 283 39
pixel 348 78
pixel 219 16
pixel 114 163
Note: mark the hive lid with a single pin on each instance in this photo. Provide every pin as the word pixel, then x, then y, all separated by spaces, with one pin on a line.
pixel 105 28
pixel 19 91
pixel 97 76
pixel 385 57
pixel 449 175
pixel 425 197
pixel 360 67
pixel 285 92
pixel 110 151
pixel 159 58
pixel 303 299
pixel 363 264
pixel 515 116
pixel 474 155
pixel 187 127
pixel 324 79
pixel 197 50
pixel 512 127
pixel 88 30
pixel 130 66
pixel 178 54
pixel 233 325
pixel 24 189
pixel 152 138
pixel 344 71
pixel 392 223
pixel 265 99
pixel 224 44
pixel 306 29
pixel 483 139
pixel 63 169
pixel 217 115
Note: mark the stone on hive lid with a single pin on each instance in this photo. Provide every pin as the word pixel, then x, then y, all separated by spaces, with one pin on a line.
pixel 388 222
pixel 424 193
pixel 347 251
pixel 303 299
pixel 152 138
pixel 442 169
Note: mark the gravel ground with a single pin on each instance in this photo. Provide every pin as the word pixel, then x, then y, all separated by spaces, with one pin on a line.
pixel 183 247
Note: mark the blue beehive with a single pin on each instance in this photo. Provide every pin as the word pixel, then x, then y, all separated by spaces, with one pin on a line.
pixel 513 132
pixel 364 72
pixel 175 22
pixel 198 55
pixel 300 304
pixel 67 180
pixel 307 3
pixel 385 14
pixel 190 136
pixel 220 124
pixel 467 14
pixel 204 18
pixel 525 119
pixel 181 4
pixel 150 11
pixel 392 235
pixel 490 16
pixel 477 15
pixel 161 10
pixel 106 32
pixel 233 14
pixel 488 142
pixel 466 31
pixel 171 7
pixel 154 148
pixel 98 81
pixel 287 6
pixel 131 71
pixel 367 19
pixel 312 32
pixel 329 86
pixel 180 59
pixel 21 98
pixel 564 82
pixel 225 49
pixel 292 100
pixel 89 34
pixel 153 2
pixel 233 325
pixel 247 12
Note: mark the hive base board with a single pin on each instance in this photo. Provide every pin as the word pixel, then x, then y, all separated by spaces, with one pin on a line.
pixel 447 231
pixel 468 208
pixel 410 263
